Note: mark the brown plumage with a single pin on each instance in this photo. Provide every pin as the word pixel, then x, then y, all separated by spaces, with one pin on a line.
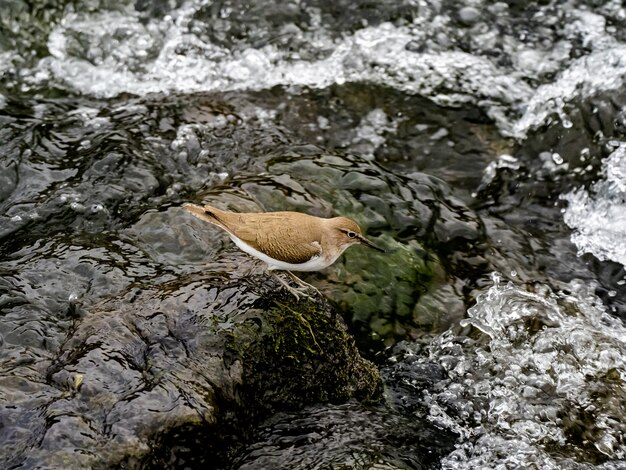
pixel 303 242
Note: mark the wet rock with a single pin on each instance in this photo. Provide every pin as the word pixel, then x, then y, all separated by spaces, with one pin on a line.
pixel 378 293
pixel 469 15
pixel 198 357
pixel 207 150
pixel 396 129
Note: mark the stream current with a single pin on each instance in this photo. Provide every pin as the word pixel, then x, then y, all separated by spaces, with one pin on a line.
pixel 503 123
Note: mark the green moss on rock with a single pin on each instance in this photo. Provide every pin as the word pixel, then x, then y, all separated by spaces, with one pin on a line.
pixel 301 353
pixel 379 292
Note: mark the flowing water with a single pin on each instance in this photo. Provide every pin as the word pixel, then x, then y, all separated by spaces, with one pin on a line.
pixel 483 143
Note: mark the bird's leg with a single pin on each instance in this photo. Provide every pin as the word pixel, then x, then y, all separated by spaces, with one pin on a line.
pixel 302 283
pixel 296 293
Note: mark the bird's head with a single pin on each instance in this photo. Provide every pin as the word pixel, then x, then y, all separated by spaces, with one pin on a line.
pixel 346 232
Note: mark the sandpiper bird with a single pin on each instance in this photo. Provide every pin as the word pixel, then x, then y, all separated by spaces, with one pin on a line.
pixel 286 241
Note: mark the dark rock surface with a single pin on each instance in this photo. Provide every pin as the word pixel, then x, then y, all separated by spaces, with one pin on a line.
pixel 196 357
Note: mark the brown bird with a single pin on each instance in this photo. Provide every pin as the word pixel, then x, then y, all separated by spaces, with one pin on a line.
pixel 287 241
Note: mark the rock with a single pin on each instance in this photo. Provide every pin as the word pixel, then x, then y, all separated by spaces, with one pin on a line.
pixel 201 358
pixel 116 345
pixel 469 15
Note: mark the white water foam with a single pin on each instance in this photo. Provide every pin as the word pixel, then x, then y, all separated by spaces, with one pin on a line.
pixel 545 380
pixel 108 53
pixel 603 69
pixel 598 72
pixel 598 215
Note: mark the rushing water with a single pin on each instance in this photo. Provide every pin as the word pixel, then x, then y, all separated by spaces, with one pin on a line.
pixel 483 143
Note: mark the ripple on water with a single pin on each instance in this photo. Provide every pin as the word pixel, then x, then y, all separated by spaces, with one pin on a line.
pixel 344 436
pixel 45 285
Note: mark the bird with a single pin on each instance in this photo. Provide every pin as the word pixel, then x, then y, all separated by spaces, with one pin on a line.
pixel 287 241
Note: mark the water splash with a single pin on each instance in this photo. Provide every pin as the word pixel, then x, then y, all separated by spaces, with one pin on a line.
pixel 598 216
pixel 598 72
pixel 541 383
pixel 499 65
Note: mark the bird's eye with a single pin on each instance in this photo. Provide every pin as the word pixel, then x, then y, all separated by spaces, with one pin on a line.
pixel 351 234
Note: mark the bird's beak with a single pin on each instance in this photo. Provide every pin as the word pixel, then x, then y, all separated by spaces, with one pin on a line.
pixel 365 241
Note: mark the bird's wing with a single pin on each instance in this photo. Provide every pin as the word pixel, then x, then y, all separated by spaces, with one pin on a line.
pixel 291 241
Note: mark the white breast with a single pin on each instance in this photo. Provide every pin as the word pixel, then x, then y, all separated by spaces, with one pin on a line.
pixel 314 264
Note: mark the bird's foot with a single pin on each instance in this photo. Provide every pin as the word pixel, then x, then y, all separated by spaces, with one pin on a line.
pixel 297 291
pixel 303 284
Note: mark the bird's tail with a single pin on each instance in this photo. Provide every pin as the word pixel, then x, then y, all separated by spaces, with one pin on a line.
pixel 206 213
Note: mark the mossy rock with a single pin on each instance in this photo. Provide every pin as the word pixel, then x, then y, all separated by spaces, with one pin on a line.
pixel 378 292
pixel 301 353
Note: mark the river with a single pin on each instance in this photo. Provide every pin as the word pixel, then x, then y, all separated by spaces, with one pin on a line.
pixel 482 143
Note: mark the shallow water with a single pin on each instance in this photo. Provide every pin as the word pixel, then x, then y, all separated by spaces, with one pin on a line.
pixel 469 138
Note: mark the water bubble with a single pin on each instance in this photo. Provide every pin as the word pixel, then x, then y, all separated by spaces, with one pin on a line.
pixel 556 158
pixel 323 122
pixel 77 206
pixel 441 133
